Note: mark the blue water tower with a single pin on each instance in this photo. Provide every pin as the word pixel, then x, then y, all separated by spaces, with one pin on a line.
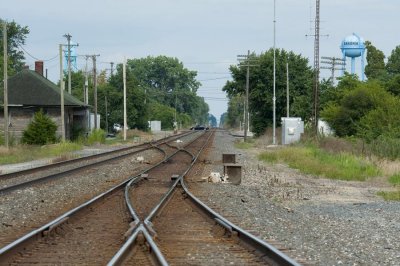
pixel 353 46
pixel 73 56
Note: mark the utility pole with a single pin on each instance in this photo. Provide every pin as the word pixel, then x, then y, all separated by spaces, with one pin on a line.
pixel 86 86
pixel 124 80
pixel 105 99
pixel 316 68
pixel 5 55
pixel 62 84
pixel 331 63
pixel 68 36
pixel 95 88
pixel 112 68
pixel 274 96
pixel 316 35
pixel 287 90
pixel 247 63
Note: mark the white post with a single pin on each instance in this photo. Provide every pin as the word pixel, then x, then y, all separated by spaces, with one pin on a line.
pixel 124 78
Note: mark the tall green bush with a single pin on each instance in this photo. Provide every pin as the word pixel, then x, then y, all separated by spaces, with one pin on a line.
pixel 42 130
pixel 96 136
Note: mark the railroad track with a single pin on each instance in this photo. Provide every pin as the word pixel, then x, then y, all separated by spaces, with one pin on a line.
pixel 148 220
pixel 26 178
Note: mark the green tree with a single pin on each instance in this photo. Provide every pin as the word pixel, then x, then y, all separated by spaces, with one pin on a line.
pixel 393 64
pixel 393 85
pixel 42 130
pixel 223 119
pixel 375 68
pixel 261 88
pixel 353 113
pixel 16 36
pixel 212 120
pixel 167 81
pixel 162 113
pixel 234 117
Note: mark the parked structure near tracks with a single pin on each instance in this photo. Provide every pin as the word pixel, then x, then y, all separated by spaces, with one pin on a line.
pixel 29 91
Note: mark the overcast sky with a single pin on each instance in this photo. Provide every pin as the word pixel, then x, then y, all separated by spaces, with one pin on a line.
pixel 206 35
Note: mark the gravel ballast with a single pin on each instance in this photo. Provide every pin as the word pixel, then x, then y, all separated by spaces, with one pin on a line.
pixel 316 221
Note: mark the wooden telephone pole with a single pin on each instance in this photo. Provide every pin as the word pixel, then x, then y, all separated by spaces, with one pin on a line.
pixel 5 48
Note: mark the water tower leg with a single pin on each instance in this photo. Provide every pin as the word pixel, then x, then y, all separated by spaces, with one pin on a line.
pixel 362 66
pixel 353 65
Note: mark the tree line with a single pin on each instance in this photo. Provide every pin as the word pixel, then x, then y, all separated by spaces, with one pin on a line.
pixel 158 88
pixel 367 110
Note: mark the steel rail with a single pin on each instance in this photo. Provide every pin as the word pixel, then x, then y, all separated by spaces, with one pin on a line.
pixel 121 255
pixel 146 225
pixel 123 252
pixel 139 177
pixel 156 209
pixel 40 231
pixel 94 156
pixel 11 188
pixel 272 254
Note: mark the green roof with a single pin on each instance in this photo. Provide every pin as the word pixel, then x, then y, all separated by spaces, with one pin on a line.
pixel 29 88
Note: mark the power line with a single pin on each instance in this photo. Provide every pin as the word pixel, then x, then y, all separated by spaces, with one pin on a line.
pixel 215 78
pixel 331 63
pixel 247 61
pixel 216 73
pixel 209 63
pixel 46 60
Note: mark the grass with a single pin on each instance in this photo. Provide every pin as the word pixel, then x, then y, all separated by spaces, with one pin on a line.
pixel 244 145
pixel 390 195
pixel 395 179
pixel 312 160
pixel 24 153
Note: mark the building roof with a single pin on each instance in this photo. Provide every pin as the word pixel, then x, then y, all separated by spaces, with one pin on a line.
pixel 28 88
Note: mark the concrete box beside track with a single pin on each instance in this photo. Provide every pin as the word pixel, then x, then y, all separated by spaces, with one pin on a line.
pixel 234 172
pixel 228 158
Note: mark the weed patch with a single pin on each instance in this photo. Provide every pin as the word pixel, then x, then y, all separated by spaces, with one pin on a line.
pixel 244 145
pixel 24 153
pixel 395 179
pixel 311 160
pixel 390 195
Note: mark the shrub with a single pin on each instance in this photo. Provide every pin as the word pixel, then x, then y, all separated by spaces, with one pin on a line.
pixel 395 179
pixel 42 130
pixel 96 136
pixel 390 195
pixel 385 147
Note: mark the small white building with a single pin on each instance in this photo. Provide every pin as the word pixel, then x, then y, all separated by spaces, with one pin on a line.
pixel 292 128
pixel 324 129
pixel 155 126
